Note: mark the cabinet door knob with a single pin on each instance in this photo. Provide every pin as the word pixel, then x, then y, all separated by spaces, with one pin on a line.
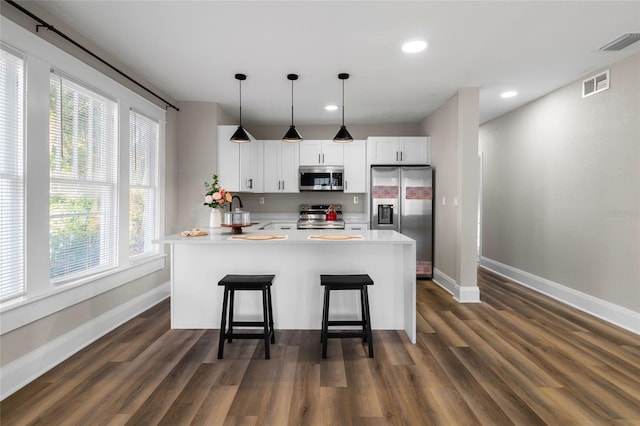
pixel 250 183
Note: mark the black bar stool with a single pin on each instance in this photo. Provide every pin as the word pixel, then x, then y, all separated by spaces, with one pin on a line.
pixel 346 282
pixel 232 283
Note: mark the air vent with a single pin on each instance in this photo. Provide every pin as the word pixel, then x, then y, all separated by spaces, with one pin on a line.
pixel 595 84
pixel 621 42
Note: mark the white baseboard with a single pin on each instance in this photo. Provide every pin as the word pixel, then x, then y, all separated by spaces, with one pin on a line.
pixel 616 315
pixel 22 371
pixel 462 294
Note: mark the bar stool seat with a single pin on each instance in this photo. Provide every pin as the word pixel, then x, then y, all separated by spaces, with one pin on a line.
pixel 346 282
pixel 233 283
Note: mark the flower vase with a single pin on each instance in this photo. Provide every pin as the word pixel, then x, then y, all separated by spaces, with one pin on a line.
pixel 215 218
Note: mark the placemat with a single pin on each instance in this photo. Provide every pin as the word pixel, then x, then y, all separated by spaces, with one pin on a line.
pixel 258 237
pixel 336 237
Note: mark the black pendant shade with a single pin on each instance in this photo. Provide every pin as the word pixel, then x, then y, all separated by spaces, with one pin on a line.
pixel 292 134
pixel 240 136
pixel 343 134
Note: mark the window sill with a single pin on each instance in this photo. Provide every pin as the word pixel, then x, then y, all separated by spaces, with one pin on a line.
pixel 23 310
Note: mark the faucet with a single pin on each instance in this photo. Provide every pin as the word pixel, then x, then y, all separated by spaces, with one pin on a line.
pixel 231 203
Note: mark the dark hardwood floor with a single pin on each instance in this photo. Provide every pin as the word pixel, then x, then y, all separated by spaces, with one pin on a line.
pixel 516 358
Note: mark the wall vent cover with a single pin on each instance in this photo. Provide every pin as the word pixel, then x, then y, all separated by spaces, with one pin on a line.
pixel 595 84
pixel 621 42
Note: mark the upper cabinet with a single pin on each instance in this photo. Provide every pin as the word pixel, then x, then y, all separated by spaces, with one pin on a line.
pixel 399 150
pixel 239 164
pixel 355 167
pixel 281 163
pixel 251 166
pixel 320 152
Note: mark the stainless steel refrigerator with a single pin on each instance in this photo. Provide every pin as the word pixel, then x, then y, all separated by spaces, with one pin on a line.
pixel 402 200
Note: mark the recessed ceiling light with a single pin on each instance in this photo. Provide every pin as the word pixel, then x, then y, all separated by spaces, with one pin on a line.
pixel 414 46
pixel 509 94
pixel 331 107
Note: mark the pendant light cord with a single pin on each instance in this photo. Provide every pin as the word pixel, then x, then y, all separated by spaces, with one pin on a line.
pixel 240 81
pixel 292 102
pixel 343 102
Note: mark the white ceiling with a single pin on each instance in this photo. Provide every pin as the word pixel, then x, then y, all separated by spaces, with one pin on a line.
pixel 192 49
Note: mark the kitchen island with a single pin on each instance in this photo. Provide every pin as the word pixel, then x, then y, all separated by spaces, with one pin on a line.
pixel 297 260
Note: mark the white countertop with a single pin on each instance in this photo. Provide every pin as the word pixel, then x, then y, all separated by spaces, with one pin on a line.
pixel 294 236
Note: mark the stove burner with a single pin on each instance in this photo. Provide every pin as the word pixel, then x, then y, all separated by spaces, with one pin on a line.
pixel 313 217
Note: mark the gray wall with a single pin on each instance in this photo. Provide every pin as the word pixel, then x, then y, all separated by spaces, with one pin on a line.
pixel 325 132
pixel 442 127
pixel 561 194
pixel 197 157
pixel 453 129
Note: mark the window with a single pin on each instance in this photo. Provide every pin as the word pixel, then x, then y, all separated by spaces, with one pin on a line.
pixel 143 184
pixel 83 180
pixel 12 212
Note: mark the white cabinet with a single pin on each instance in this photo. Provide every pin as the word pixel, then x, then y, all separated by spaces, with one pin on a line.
pixel 251 166
pixel 320 152
pixel 281 162
pixel 399 150
pixel 356 226
pixel 355 167
pixel 239 167
pixel 415 150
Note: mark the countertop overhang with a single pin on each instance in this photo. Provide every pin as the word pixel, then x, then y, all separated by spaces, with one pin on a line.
pixel 294 236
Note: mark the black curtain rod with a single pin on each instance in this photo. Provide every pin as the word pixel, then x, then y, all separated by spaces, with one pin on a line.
pixel 50 27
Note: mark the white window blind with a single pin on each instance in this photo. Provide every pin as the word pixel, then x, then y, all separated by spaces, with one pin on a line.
pixel 12 212
pixel 143 184
pixel 83 181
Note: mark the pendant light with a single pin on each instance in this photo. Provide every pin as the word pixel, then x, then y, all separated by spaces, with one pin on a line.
pixel 292 134
pixel 240 136
pixel 343 134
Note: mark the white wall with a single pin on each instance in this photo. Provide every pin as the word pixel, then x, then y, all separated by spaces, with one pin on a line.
pixel 561 196
pixel 41 331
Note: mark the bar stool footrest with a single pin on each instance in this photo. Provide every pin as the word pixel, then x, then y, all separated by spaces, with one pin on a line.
pixel 248 323
pixel 333 323
pixel 246 335
pixel 346 334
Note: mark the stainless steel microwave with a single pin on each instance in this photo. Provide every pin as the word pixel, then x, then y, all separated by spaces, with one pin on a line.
pixel 320 178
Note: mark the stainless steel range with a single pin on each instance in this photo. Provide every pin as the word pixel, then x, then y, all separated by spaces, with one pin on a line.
pixel 314 216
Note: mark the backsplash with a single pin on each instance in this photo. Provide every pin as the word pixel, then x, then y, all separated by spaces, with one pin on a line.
pixel 289 203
